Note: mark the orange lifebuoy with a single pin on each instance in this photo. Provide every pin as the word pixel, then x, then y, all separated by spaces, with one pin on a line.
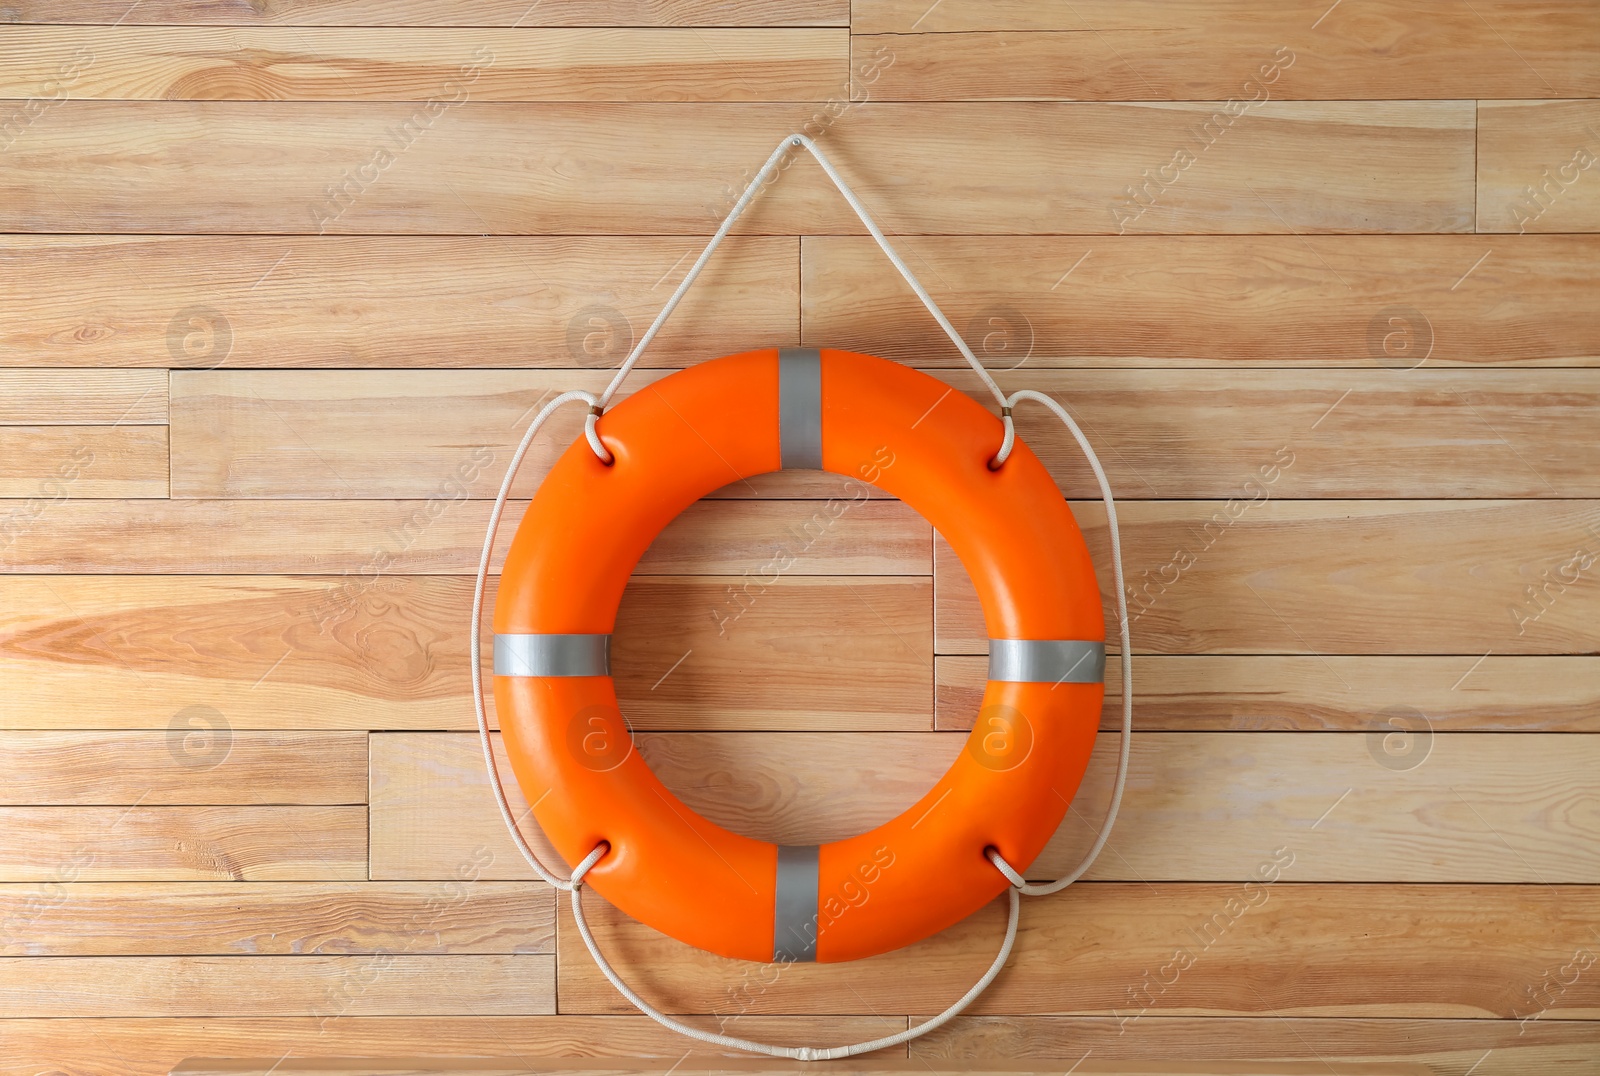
pixel 694 432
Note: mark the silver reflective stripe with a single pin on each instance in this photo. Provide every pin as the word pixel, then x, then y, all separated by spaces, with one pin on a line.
pixel 552 655
pixel 800 407
pixel 1052 661
pixel 794 931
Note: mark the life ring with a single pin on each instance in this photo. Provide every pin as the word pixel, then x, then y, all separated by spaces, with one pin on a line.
pixel 694 432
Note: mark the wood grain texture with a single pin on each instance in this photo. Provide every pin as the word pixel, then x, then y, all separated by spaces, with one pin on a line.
pixel 1298 951
pixel 896 1066
pixel 441 534
pixel 150 1047
pixel 1346 406
pixel 1386 806
pixel 160 844
pixel 90 461
pixel 459 915
pixel 198 759
pixel 1537 164
pixel 389 652
pixel 1206 49
pixel 1306 577
pixel 1259 693
pixel 272 301
pixel 1190 433
pixel 320 167
pixel 1450 1047
pixel 500 13
pixel 448 66
pixel 46 397
pixel 384 984
pixel 1037 302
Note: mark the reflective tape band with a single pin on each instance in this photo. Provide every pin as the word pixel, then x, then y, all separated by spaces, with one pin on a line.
pixel 800 407
pixel 794 928
pixel 552 655
pixel 1049 661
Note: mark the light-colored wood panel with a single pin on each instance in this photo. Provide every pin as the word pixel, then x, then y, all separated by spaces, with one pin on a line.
pixel 369 539
pixel 150 1047
pixel 411 433
pixel 323 167
pixel 1390 805
pixel 437 68
pixel 768 651
pixel 254 652
pixel 1188 433
pixel 384 984
pixel 1347 433
pixel 1205 49
pixel 288 918
pixel 1537 164
pixel 1390 301
pixel 1332 577
pixel 198 759
pixel 158 844
pixel 1098 949
pixel 377 540
pixel 44 462
pixel 1226 692
pixel 46 397
pixel 380 652
pixel 391 301
pixel 1482 1047
pixel 433 1066
pixel 503 13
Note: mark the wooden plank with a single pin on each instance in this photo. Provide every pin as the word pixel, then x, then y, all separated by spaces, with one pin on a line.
pixel 151 1047
pixel 158 844
pixel 439 1066
pixel 46 397
pixel 1308 577
pixel 1234 433
pixel 1536 161
pixel 261 652
pixel 1138 300
pixel 372 434
pixel 1258 693
pixel 385 984
pixel 1296 951
pixel 382 652
pixel 198 759
pixel 1188 433
pixel 1498 1047
pixel 506 13
pixel 376 540
pixel 389 302
pixel 818 653
pixel 287 918
pixel 83 461
pixel 443 67
pixel 1411 807
pixel 1205 49
pixel 331 167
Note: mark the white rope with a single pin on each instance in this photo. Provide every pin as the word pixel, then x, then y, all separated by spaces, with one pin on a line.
pixel 1019 884
pixel 803 1053
pixel 476 648
pixel 795 141
pixel 1044 889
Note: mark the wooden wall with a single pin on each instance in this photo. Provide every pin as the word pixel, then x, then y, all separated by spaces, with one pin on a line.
pixel 282 280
